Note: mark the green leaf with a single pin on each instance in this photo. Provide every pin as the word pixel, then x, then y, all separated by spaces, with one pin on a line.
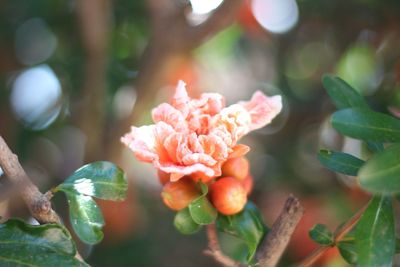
pixel 46 245
pixel 234 248
pixel 366 125
pixel 202 211
pixel 321 235
pixel 100 179
pixel 345 96
pixel 247 226
pixel 381 173
pixel 375 146
pixel 203 188
pixel 184 223
pixel 340 162
pixel 86 218
pixel 342 94
pixel 347 245
pixel 348 251
pixel 375 234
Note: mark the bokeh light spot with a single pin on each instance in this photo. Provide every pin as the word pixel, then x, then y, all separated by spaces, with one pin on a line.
pixel 34 42
pixel 276 16
pixel 124 101
pixel 359 67
pixel 204 6
pixel 36 97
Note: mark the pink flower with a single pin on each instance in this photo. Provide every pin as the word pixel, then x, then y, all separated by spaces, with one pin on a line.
pixel 195 137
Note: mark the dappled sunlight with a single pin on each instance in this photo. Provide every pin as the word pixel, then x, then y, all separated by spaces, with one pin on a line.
pixel 84 186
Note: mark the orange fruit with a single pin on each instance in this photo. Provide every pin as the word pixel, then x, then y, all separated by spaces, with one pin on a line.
pixel 228 195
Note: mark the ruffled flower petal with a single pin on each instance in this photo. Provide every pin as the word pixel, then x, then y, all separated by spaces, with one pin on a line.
pixel 262 109
pixel 210 103
pixel 168 114
pixel 142 142
pixel 194 137
pixel 181 100
pixel 178 171
pixel 238 151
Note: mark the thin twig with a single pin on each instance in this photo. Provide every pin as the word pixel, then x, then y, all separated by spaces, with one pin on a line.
pixel 38 203
pixel 314 256
pixel 214 249
pixel 274 244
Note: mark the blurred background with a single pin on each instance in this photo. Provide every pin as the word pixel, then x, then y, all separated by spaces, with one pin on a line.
pixel 75 74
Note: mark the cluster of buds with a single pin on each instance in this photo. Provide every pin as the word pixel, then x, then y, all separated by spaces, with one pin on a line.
pixel 195 141
pixel 228 192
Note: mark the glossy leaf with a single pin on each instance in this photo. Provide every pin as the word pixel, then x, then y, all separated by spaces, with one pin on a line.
pixel 184 223
pixel 47 245
pixel 202 211
pixel 321 235
pixel 86 218
pixel 375 234
pixel 247 225
pixel 366 125
pixel 382 172
pixel 345 96
pixel 100 179
pixel 342 94
pixel 340 162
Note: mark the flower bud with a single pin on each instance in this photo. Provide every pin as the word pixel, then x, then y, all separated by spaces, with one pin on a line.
pixel 178 195
pixel 248 184
pixel 228 195
pixel 163 177
pixel 236 167
pixel 201 177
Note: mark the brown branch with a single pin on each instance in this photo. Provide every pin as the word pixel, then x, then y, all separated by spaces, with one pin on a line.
pixel 39 204
pixel 161 10
pixel 274 244
pixel 94 17
pixel 214 249
pixel 313 257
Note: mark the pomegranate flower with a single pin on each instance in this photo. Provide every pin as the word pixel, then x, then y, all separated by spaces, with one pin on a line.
pixel 194 137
